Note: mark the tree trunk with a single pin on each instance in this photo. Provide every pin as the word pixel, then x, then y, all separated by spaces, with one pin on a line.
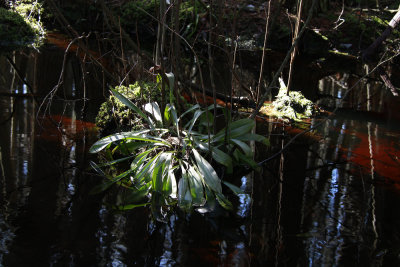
pixel 373 48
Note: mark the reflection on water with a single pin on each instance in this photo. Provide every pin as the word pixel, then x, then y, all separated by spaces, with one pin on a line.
pixel 328 200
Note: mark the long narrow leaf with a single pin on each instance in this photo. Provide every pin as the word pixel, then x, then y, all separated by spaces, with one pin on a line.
pixel 154 110
pixel 235 129
pixel 197 106
pixel 147 168
pixel 129 147
pixel 97 168
pixel 176 119
pixel 139 136
pixel 253 137
pixel 104 186
pixel 105 141
pixel 137 194
pixel 140 159
pixel 210 175
pixel 110 163
pixel 171 83
pixel 192 122
pixel 158 171
pixel 184 196
pixel 170 187
pixel 249 161
pixel 234 188
pixel 245 147
pixel 157 175
pixel 222 158
pixel 130 206
pixel 223 201
pixel 196 187
pixel 132 106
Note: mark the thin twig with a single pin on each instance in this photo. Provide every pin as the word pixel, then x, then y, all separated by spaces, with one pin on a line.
pixel 293 54
pixel 263 54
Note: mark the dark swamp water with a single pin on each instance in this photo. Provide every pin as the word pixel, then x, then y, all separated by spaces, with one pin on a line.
pixel 332 199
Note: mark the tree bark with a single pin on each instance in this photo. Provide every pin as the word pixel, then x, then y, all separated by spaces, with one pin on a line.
pixel 373 48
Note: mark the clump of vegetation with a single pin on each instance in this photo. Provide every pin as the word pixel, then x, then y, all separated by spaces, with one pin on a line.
pixel 113 113
pixel 167 159
pixel 21 25
pixel 293 106
pixel 32 12
pixel 15 32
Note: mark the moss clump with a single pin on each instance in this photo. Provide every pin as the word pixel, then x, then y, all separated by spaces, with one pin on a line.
pixel 32 12
pixel 293 106
pixel 21 26
pixel 14 31
pixel 113 113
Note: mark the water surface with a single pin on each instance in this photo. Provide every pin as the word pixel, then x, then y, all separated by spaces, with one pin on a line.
pixel 331 199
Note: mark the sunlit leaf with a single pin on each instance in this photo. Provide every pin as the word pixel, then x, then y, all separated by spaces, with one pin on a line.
pixel 158 171
pixel 170 187
pixel 97 169
pixel 175 119
pixel 210 176
pixel 184 196
pixel 105 141
pixel 157 174
pixel 171 83
pixel 147 168
pixel 192 122
pixel 223 201
pixel 140 159
pixel 196 187
pixel 167 115
pixel 154 110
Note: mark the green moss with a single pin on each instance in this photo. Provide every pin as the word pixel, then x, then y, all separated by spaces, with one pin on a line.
pixel 21 26
pixel 293 106
pixel 113 113
pixel 14 31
